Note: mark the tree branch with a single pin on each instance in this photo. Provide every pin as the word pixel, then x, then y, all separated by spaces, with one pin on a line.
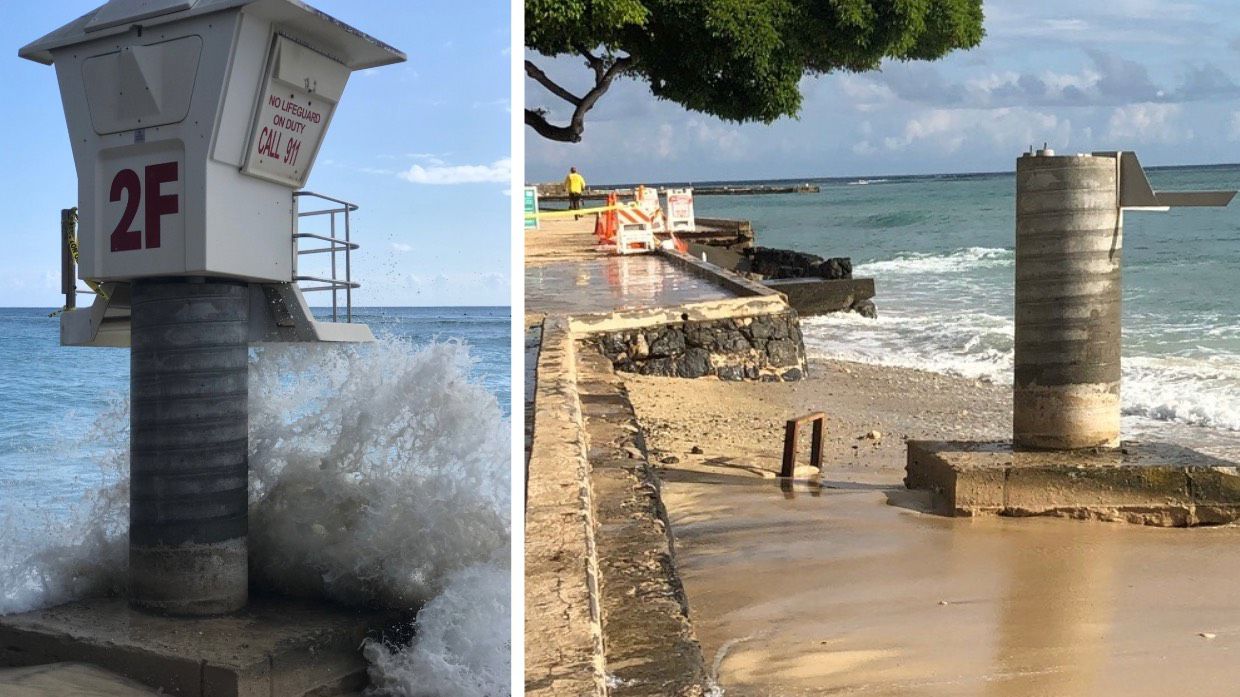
pixel 596 64
pixel 539 76
pixel 604 75
pixel 535 120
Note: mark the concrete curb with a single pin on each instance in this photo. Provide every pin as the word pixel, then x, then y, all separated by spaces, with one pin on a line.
pixel 606 614
pixel 717 274
pixel 650 647
pixel 563 632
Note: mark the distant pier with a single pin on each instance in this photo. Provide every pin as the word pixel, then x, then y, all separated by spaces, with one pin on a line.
pixel 555 192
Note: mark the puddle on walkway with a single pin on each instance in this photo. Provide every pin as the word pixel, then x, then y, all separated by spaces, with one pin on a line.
pixel 614 283
pixel 844 593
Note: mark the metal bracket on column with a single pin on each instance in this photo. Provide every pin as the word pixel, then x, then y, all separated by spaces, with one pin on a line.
pixel 1135 192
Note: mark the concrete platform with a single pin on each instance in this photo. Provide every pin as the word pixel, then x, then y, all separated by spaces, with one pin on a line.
pixel 818 296
pixel 273 648
pixel 1146 483
pixel 68 680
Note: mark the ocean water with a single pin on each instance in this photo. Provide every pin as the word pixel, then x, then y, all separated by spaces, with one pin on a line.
pixel 379 474
pixel 941 251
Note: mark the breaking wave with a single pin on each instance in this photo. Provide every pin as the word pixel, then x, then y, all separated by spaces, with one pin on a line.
pixel 1194 391
pixel 379 475
pixel 961 260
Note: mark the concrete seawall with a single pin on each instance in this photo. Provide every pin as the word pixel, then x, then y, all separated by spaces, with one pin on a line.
pixel 563 642
pixel 753 336
pixel 606 612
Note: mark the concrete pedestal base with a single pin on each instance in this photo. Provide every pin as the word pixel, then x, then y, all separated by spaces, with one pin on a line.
pixel 1146 483
pixel 272 648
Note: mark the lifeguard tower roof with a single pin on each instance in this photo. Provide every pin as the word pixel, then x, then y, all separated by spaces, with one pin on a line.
pixel 347 45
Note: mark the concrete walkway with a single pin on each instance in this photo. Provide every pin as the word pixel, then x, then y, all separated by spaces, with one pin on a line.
pixel 566 273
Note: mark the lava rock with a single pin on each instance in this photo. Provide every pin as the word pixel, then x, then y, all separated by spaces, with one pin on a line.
pixel 865 308
pixel 694 364
pixel 782 352
pixel 774 263
pixel 667 342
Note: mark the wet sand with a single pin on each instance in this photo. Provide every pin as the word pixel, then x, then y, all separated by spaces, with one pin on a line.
pixel 845 585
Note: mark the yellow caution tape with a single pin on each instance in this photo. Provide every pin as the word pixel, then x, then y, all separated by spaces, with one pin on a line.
pixel 579 211
pixel 71 235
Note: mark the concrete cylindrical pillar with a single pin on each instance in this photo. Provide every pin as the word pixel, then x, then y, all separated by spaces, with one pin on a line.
pixel 189 462
pixel 1069 234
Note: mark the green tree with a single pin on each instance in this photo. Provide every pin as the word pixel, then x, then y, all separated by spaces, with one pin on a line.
pixel 740 60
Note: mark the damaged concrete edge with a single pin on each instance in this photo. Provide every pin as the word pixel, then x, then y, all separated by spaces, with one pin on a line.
pixel 1157 484
pixel 642 318
pixel 720 276
pixel 651 647
pixel 742 228
pixel 563 628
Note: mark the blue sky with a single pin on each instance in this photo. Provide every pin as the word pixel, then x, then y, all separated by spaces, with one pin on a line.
pixel 1161 77
pixel 423 147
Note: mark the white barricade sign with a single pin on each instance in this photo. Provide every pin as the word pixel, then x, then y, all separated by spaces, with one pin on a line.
pixel 680 210
pixel 635 232
pixel 648 201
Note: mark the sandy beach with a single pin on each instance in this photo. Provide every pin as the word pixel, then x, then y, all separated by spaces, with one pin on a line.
pixel 745 420
pixel 845 584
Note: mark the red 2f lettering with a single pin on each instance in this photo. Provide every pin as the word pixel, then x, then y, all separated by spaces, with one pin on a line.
pixel 136 192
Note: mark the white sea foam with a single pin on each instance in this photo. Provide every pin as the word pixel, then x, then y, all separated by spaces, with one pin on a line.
pixel 379 474
pixel 924 263
pixel 977 346
pixel 462 644
pixel 1199 390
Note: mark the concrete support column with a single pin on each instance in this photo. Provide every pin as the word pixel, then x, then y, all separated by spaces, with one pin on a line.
pixel 190 439
pixel 1069 234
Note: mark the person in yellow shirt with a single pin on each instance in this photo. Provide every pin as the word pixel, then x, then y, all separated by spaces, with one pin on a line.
pixel 575 185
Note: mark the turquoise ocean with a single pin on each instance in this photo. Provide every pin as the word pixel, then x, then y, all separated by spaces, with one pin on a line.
pixel 379 474
pixel 56 393
pixel 940 249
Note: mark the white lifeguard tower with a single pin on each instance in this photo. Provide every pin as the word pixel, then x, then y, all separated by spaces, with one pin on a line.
pixel 194 124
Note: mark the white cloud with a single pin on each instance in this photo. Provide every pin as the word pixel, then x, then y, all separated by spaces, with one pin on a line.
pixel 401 247
pixel 940 127
pixel 864 94
pixel 723 138
pixel 663 146
pixel 1147 123
pixel 863 147
pixel 948 131
pixel 438 173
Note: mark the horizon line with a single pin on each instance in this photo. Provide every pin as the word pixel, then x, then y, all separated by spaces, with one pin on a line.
pixel 1215 165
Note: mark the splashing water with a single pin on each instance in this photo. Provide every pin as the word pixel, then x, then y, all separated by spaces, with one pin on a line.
pixel 462 646
pixel 48 559
pixel 379 476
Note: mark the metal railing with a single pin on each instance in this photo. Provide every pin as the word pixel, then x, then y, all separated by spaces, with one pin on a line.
pixel 335 244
